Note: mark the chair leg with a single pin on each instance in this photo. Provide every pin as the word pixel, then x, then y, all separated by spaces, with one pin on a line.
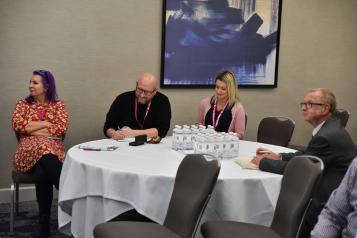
pixel 17 198
pixel 12 205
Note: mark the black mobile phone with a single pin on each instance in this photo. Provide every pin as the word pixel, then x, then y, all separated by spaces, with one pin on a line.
pixel 139 140
pixel 136 143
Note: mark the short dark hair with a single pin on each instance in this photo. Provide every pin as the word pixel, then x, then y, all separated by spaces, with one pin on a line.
pixel 48 81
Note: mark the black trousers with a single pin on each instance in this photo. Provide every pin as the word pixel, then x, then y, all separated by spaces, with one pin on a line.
pixel 47 173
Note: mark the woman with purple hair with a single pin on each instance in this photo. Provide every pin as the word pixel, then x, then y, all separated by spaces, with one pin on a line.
pixel 40 121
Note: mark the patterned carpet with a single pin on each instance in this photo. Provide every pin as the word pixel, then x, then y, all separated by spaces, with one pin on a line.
pixel 26 221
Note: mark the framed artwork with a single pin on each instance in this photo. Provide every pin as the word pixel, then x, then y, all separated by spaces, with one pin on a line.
pixel 203 37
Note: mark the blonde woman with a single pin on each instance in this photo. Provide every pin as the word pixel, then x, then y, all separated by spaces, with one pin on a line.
pixel 223 110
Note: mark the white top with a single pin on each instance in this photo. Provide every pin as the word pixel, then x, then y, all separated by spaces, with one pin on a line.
pixel 316 129
pixel 96 186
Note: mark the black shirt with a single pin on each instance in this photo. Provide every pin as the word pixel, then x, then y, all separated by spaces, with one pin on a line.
pixel 122 113
pixel 224 121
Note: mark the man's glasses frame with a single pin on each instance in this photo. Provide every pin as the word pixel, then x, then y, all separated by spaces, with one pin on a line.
pixel 145 92
pixel 309 105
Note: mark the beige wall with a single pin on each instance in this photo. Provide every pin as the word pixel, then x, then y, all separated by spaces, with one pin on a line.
pixel 96 49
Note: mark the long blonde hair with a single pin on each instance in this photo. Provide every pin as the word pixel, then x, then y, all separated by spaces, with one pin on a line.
pixel 229 79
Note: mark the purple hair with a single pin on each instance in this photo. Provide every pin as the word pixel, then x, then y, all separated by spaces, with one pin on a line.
pixel 49 84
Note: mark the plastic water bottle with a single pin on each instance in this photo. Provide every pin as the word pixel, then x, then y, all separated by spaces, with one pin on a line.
pixel 174 137
pixel 187 142
pixel 235 151
pixel 202 129
pixel 219 145
pixel 179 139
pixel 198 144
pixel 211 144
pixel 225 146
pixel 210 129
pixel 194 133
pixel 233 145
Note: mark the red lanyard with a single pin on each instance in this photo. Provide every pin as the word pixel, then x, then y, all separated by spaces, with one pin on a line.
pixel 136 112
pixel 214 122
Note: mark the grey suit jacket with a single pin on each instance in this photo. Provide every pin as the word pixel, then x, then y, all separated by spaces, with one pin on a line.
pixel 333 145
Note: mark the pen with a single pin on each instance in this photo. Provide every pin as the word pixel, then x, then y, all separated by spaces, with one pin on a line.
pixel 91 149
pixel 263 151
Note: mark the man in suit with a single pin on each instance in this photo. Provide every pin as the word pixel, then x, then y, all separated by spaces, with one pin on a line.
pixel 330 142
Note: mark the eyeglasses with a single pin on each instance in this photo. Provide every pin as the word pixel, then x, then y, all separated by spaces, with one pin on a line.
pixel 309 105
pixel 145 92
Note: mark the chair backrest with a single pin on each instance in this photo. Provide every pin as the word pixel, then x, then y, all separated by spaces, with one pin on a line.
pixel 194 183
pixel 300 178
pixel 275 130
pixel 343 115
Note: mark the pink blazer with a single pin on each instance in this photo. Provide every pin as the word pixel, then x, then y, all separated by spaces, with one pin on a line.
pixel 238 116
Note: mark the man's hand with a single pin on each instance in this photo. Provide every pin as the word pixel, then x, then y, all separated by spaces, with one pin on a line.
pixel 256 160
pixel 261 152
pixel 118 135
pixel 127 132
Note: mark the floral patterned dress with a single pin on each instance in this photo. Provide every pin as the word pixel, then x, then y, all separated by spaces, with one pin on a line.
pixel 32 148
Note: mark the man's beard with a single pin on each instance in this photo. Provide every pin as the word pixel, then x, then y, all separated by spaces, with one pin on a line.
pixel 142 101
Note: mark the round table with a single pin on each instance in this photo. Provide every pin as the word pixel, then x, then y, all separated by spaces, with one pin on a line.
pixel 96 186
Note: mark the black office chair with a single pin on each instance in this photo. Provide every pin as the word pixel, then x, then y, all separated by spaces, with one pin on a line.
pixel 17 179
pixel 300 178
pixel 194 183
pixel 275 130
pixel 343 115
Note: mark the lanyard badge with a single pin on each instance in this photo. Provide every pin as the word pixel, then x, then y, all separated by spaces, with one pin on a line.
pixel 136 112
pixel 214 122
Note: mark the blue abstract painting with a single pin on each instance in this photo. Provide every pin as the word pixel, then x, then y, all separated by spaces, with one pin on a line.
pixel 204 37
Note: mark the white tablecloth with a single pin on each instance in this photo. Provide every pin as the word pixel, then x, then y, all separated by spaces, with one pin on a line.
pixel 96 186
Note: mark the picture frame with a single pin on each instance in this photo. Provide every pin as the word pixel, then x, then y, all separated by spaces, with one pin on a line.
pixel 201 38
